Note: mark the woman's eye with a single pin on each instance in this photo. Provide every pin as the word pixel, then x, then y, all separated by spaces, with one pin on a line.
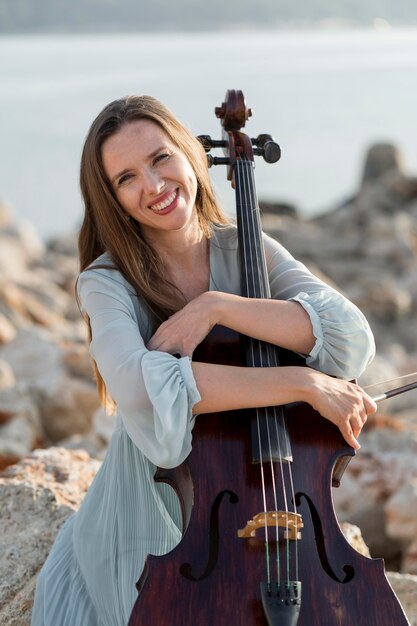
pixel 123 179
pixel 162 157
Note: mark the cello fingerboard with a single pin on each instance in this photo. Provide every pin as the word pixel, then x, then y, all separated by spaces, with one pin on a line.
pixel 270 441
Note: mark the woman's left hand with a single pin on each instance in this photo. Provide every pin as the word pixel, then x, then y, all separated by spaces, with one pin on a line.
pixel 186 329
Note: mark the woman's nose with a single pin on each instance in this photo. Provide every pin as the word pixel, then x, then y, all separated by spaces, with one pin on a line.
pixel 152 182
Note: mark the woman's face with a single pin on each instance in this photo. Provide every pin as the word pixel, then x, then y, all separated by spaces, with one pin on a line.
pixel 152 179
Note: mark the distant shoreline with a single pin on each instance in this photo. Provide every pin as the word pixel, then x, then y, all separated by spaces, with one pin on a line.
pixel 322 26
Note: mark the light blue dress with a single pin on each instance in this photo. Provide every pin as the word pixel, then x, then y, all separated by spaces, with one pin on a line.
pixel 89 577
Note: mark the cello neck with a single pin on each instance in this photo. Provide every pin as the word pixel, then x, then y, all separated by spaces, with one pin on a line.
pixel 254 274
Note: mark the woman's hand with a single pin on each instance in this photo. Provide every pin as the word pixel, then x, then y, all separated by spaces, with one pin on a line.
pixel 186 329
pixel 342 402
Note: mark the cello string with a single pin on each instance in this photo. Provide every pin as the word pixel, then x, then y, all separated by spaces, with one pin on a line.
pixel 255 268
pixel 296 530
pixel 263 294
pixel 269 362
pixel 255 215
pixel 246 253
pixel 248 170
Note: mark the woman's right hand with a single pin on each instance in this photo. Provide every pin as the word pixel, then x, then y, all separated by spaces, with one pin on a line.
pixel 343 403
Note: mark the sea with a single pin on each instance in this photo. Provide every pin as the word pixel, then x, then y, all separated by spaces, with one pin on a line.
pixel 325 95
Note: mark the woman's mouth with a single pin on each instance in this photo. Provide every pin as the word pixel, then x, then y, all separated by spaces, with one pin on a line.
pixel 167 204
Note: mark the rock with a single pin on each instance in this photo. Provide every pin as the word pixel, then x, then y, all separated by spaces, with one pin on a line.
pixel 20 246
pixel 45 292
pixel 65 244
pixel 401 522
pixel 97 439
pixel 68 409
pixel 13 260
pixel 90 442
pixel 405 586
pixel 7 330
pixel 18 436
pixel 380 159
pixel 7 377
pixel 409 561
pixel 15 401
pixel 58 269
pixel 35 359
pixel 77 362
pixel 20 427
pixel 45 488
pixel 278 208
pixel 354 536
pixel 29 306
pixel 386 462
pixel 387 302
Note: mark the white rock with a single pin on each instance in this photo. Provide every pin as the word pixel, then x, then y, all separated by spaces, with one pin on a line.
pixel 36 359
pixel 409 562
pixel 386 462
pixel 36 497
pixel 13 259
pixel 401 512
pixel 7 377
pixel 7 329
pixel 405 586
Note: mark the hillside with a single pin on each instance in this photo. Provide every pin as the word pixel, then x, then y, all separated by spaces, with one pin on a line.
pixel 26 16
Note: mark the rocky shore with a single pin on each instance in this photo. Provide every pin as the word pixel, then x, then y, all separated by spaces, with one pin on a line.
pixel 53 434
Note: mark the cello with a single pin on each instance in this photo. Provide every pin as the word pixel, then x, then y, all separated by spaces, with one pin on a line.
pixel 261 543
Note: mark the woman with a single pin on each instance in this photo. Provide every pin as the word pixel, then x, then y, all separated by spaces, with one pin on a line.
pixel 159 268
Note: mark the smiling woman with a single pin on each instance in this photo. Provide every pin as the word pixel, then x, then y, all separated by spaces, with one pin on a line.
pixel 150 183
pixel 159 269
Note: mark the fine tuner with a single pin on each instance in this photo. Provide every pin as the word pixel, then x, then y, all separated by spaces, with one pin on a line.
pixel 265 146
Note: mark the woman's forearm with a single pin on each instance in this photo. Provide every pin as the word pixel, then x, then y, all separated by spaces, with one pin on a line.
pixel 280 322
pixel 224 388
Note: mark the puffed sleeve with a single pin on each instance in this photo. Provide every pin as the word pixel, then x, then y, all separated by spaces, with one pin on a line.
pixel 344 342
pixel 154 391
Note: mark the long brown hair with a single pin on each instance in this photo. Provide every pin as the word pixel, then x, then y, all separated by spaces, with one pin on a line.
pixel 106 228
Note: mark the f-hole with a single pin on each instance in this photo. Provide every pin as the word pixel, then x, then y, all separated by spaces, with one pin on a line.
pixel 186 569
pixel 321 548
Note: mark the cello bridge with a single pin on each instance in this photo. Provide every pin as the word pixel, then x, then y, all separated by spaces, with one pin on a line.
pixel 292 522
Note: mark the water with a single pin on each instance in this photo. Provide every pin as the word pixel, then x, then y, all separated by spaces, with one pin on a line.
pixel 325 96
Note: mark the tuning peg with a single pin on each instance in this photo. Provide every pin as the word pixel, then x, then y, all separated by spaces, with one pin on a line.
pixel 272 152
pixel 211 160
pixel 208 143
pixel 205 141
pixel 267 148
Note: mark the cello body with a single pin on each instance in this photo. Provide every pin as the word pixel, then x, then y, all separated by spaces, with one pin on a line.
pixel 220 573
pixel 212 577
